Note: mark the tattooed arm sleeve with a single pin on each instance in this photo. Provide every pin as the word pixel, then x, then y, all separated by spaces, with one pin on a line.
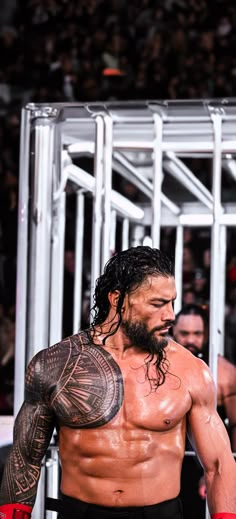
pixel 33 429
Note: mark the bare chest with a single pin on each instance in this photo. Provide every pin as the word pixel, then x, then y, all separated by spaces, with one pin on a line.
pixel 93 390
pixel 153 408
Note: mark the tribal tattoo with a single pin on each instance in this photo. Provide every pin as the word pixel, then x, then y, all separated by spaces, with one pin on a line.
pixel 89 391
pixel 32 433
pixel 74 383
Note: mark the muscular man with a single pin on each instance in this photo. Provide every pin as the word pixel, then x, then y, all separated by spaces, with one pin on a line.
pixel 121 394
pixel 191 330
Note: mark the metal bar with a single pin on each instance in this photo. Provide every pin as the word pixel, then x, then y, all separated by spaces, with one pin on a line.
pixel 215 249
pixel 40 260
pixel 106 225
pixel 112 246
pixel 97 205
pixel 137 235
pixel 125 234
pixel 181 145
pixel 123 166
pixel 206 220
pixel 215 331
pixel 79 247
pixel 196 220
pixel 22 263
pixel 179 244
pixel 222 283
pixel 128 171
pixel 57 270
pixel 175 209
pixel 157 181
pixel 228 146
pixel 121 204
pixel 190 180
pixel 40 250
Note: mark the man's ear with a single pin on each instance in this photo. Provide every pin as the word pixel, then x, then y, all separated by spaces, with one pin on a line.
pixel 113 298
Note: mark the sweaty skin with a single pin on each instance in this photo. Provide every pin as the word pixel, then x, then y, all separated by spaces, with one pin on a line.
pixel 120 442
pixel 189 332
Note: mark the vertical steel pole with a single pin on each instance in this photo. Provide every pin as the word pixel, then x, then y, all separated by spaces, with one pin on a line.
pixel 40 246
pixel 125 234
pixel 97 205
pixel 215 321
pixel 157 180
pixel 79 247
pixel 40 257
pixel 112 243
pixel 222 283
pixel 57 270
pixel 137 235
pixel 106 252
pixel 22 262
pixel 179 266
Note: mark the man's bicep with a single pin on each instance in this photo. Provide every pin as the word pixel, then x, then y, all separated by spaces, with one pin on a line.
pixel 230 409
pixel 33 430
pixel 208 435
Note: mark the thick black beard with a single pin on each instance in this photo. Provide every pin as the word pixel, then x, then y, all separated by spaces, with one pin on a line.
pixel 139 335
pixel 155 347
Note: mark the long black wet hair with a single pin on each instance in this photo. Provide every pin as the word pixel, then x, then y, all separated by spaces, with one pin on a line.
pixel 125 272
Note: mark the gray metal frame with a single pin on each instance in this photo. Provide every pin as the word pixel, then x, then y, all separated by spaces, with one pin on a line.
pixel 142 142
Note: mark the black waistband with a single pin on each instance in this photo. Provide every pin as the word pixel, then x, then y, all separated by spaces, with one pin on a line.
pixel 164 509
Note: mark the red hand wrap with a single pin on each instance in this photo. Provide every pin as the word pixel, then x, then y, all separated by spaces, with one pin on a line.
pixel 15 511
pixel 223 515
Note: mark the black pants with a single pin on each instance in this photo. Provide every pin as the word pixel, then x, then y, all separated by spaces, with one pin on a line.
pixel 75 509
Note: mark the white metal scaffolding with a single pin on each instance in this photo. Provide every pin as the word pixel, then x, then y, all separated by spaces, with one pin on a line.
pixel 139 142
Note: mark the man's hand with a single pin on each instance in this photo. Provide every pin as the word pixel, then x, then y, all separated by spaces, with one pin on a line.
pixel 202 488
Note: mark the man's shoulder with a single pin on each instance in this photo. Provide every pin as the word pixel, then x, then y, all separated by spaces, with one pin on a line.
pixel 48 364
pixel 184 353
pixel 227 375
pixel 49 361
pixel 63 347
pixel 194 371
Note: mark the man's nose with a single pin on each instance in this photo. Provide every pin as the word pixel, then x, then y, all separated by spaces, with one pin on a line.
pixel 169 314
pixel 190 339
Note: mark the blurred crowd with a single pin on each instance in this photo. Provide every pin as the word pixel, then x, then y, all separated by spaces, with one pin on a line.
pixel 66 51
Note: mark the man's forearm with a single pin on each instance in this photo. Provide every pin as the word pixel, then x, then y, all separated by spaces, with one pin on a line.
pixel 220 488
pixel 19 484
pixel 23 466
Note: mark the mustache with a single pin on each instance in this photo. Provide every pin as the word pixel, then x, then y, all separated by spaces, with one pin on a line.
pixel 168 324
